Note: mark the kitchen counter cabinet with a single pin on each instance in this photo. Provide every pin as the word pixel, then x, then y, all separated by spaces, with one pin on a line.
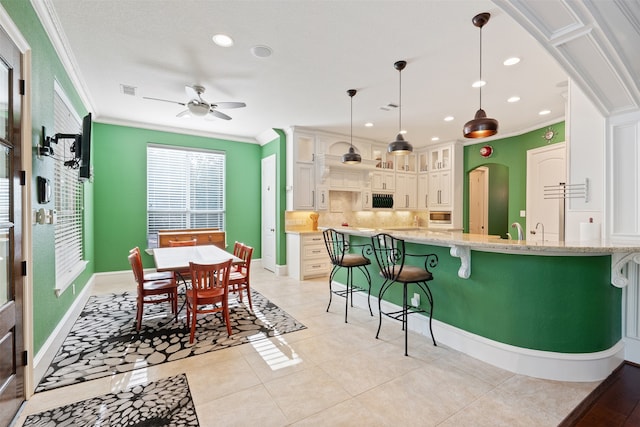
pixel 306 255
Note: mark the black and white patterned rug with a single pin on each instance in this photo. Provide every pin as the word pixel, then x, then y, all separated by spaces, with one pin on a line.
pixel 165 402
pixel 104 340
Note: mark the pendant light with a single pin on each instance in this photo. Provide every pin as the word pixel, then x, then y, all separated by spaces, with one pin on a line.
pixel 400 147
pixel 481 126
pixel 351 157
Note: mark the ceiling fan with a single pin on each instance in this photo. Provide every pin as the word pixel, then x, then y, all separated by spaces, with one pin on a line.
pixel 199 107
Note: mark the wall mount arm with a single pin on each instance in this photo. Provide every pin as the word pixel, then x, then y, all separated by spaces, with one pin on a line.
pixel 46 149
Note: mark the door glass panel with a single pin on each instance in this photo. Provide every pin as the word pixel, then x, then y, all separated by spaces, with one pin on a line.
pixel 5 267
pixel 4 231
pixel 4 100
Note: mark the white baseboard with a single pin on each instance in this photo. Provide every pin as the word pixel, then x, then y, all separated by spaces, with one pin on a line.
pixel 577 367
pixel 47 352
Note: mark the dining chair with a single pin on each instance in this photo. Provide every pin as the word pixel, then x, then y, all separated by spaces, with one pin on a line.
pixel 338 247
pixel 149 290
pixel 391 256
pixel 183 274
pixel 208 293
pixel 154 275
pixel 239 278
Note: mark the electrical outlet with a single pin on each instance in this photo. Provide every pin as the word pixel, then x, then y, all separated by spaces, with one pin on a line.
pixel 415 301
pixel 523 214
pixel 73 288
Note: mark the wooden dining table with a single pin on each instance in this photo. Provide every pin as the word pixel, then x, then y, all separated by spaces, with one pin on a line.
pixel 177 258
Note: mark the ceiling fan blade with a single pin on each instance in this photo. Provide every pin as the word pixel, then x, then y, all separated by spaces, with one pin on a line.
pixel 164 100
pixel 229 104
pixel 191 92
pixel 219 115
pixel 185 113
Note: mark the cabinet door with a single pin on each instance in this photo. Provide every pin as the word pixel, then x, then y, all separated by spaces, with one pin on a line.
pixel 423 191
pixel 322 195
pixel 445 189
pixel 304 148
pixel 304 187
pixel 411 191
pixel 377 182
pixel 366 200
pixel 389 180
pixel 434 190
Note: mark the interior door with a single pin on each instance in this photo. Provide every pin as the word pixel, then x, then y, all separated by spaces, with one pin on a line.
pixel 479 201
pixel 546 166
pixel 269 213
pixel 11 292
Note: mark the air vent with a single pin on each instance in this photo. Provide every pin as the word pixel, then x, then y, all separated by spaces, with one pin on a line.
pixel 128 90
pixel 390 106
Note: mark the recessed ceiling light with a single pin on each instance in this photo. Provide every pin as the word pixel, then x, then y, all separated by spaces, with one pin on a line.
pixel 479 83
pixel 448 118
pixel 513 99
pixel 511 61
pixel 222 40
pixel 544 112
pixel 368 125
pixel 435 138
pixel 261 51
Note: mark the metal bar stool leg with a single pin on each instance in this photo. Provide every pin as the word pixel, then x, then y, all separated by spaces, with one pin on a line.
pixel 333 272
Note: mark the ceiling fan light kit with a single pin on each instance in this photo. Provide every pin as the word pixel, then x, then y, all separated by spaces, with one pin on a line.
pixel 351 157
pixel 400 146
pixel 480 126
pixel 196 106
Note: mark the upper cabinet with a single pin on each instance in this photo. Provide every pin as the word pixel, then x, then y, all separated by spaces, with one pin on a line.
pixel 441 158
pixel 301 181
pixel 445 182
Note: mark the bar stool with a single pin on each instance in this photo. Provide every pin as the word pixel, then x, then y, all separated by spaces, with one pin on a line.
pixel 338 248
pixel 391 255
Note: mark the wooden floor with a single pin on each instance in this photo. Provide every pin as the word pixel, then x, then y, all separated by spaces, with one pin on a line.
pixel 615 402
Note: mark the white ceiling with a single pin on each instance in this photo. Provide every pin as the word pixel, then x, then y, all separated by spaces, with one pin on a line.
pixel 320 49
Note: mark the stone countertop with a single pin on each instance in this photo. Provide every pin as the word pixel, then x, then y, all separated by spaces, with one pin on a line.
pixel 486 243
pixel 302 231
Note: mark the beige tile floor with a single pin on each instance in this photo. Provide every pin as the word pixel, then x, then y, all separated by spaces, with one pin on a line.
pixel 338 374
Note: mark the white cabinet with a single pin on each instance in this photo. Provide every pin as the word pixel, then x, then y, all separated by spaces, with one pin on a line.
pixel 406 191
pixel 406 163
pixel 344 180
pixel 307 256
pixel 322 198
pixel 445 183
pixel 301 180
pixel 362 200
pixel 440 190
pixel 382 181
pixel 423 191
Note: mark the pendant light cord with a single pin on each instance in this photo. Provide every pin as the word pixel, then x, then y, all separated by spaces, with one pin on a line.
pixel 481 68
pixel 400 104
pixel 351 121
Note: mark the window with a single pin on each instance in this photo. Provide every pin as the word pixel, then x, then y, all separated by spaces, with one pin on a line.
pixel 185 189
pixel 68 197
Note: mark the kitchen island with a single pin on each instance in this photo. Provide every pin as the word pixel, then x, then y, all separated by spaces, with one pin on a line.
pixel 550 310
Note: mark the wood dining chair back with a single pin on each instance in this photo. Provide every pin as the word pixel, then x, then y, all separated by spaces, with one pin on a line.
pixel 150 290
pixel 239 279
pixel 153 275
pixel 208 293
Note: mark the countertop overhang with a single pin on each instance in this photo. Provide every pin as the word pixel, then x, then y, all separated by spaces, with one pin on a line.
pixel 461 245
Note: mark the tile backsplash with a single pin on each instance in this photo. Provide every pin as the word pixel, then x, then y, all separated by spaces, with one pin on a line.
pixel 340 212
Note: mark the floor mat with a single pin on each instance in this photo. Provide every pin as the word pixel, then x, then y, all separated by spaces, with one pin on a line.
pixel 104 341
pixel 165 402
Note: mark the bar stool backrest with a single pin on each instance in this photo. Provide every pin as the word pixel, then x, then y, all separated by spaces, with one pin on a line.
pixel 337 245
pixel 390 254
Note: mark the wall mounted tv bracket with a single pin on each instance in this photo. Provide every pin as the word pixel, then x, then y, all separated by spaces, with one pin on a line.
pixel 46 149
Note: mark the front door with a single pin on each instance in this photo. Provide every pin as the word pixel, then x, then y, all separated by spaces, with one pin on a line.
pixel 11 293
pixel 479 201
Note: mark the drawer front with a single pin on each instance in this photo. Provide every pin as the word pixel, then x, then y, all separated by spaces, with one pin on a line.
pixel 314 251
pixel 312 239
pixel 316 267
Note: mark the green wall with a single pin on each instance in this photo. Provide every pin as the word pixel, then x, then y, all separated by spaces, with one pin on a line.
pixel 48 309
pixel 120 202
pixel 512 153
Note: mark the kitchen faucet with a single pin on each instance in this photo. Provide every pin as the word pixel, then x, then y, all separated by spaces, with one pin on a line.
pixel 520 231
pixel 541 224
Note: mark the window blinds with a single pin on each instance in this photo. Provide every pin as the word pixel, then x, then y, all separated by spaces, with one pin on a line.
pixel 185 189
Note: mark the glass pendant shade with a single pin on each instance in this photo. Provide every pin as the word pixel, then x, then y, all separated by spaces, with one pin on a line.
pixel 351 158
pixel 400 147
pixel 481 126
